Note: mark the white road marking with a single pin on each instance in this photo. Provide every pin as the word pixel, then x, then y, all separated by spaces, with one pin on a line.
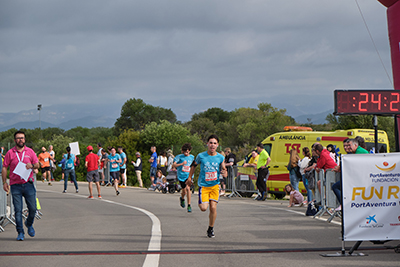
pixel 152 260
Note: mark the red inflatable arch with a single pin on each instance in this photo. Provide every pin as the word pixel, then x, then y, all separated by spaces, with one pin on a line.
pixel 393 17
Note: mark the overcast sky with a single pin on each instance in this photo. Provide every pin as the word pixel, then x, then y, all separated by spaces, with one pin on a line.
pixel 190 55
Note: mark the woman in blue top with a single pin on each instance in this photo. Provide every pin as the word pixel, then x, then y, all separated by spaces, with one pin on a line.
pixel 69 169
pixel 114 160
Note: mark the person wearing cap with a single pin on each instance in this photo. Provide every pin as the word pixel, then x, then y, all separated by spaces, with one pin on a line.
pixel 91 164
pixel 138 168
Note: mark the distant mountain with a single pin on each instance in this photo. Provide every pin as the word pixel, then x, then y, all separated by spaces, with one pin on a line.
pixel 319 118
pixel 62 116
pixel 87 122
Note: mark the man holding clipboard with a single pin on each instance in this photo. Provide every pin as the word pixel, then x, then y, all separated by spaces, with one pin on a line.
pixel 21 160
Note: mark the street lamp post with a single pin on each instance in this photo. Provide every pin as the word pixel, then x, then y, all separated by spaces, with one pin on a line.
pixel 39 107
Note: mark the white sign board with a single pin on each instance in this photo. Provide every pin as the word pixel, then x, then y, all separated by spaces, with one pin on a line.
pixel 371 196
pixel 75 148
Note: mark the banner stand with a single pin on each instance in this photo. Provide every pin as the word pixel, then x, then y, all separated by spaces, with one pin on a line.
pixel 356 245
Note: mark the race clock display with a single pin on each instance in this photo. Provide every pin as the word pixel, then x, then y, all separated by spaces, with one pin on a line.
pixel 376 102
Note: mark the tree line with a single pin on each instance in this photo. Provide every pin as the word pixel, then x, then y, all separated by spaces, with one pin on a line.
pixel 141 126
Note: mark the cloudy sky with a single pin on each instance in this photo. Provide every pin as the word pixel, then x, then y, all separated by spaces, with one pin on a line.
pixel 190 55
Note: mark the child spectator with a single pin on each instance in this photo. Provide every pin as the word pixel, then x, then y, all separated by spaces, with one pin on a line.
pixel 295 196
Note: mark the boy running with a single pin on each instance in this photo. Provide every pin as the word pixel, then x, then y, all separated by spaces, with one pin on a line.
pixel 182 163
pixel 211 166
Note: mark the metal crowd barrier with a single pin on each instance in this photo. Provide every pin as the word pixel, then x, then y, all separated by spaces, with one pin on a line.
pixel 240 181
pixel 324 194
pixel 10 218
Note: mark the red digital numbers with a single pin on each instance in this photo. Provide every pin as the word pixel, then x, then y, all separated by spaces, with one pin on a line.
pixel 378 102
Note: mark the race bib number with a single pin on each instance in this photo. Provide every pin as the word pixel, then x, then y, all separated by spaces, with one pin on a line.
pixel 46 159
pixel 211 176
pixel 185 168
pixel 114 165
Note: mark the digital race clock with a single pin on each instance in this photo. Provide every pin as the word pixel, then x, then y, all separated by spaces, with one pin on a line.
pixel 376 102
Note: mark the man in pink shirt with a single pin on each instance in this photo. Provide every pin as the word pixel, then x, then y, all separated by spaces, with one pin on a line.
pixel 21 186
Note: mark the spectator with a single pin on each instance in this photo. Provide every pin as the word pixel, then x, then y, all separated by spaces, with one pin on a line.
pixel 361 142
pixel 91 164
pixel 262 168
pixel 171 157
pixel 153 165
pixel 293 168
pixel 295 196
pixel 122 165
pixel 44 160
pixel 160 181
pixel 332 152
pixel 100 164
pixel 104 164
pixel 163 162
pixel 353 148
pixel 324 161
pixel 230 163
pixel 70 161
pixel 21 186
pixel 303 164
pixel 53 165
pixel 138 168
pixel 253 160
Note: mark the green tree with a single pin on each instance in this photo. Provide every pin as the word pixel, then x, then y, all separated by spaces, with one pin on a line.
pixel 214 114
pixel 135 114
pixel 166 135
pixel 345 122
pixel 203 127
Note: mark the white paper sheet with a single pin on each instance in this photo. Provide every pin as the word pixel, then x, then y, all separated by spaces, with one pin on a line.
pixel 21 170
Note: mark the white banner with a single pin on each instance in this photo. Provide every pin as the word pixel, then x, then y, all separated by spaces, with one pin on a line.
pixel 75 148
pixel 371 196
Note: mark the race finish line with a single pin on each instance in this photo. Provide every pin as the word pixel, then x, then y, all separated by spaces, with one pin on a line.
pixel 179 252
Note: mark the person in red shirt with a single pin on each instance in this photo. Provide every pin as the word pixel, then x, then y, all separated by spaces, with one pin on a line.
pixel 91 164
pixel 324 161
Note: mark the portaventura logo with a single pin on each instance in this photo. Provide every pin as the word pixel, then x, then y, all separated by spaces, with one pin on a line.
pixel 385 177
pixel 386 168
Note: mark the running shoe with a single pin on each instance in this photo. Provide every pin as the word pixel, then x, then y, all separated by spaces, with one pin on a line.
pixel 189 208
pixel 31 231
pixel 182 202
pixel 100 197
pixel 77 191
pixel 65 191
pixel 90 197
pixel 122 186
pixel 117 193
pixel 20 237
pixel 50 183
pixel 210 233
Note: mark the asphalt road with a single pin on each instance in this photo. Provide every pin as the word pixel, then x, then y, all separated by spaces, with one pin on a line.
pixel 144 228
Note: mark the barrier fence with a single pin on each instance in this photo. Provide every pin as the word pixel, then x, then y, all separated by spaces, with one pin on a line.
pixel 241 181
pixel 7 207
pixel 324 193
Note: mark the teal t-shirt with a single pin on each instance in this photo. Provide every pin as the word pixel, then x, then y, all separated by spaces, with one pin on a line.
pixel 183 171
pixel 114 166
pixel 209 169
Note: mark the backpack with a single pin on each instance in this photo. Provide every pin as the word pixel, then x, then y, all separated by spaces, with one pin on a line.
pixel 310 176
pixel 311 209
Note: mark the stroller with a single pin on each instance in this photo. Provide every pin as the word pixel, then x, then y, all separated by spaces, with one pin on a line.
pixel 172 182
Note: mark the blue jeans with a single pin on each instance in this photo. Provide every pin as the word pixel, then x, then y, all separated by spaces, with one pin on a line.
pixel 337 190
pixel 309 191
pixel 67 173
pixel 294 180
pixel 28 191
